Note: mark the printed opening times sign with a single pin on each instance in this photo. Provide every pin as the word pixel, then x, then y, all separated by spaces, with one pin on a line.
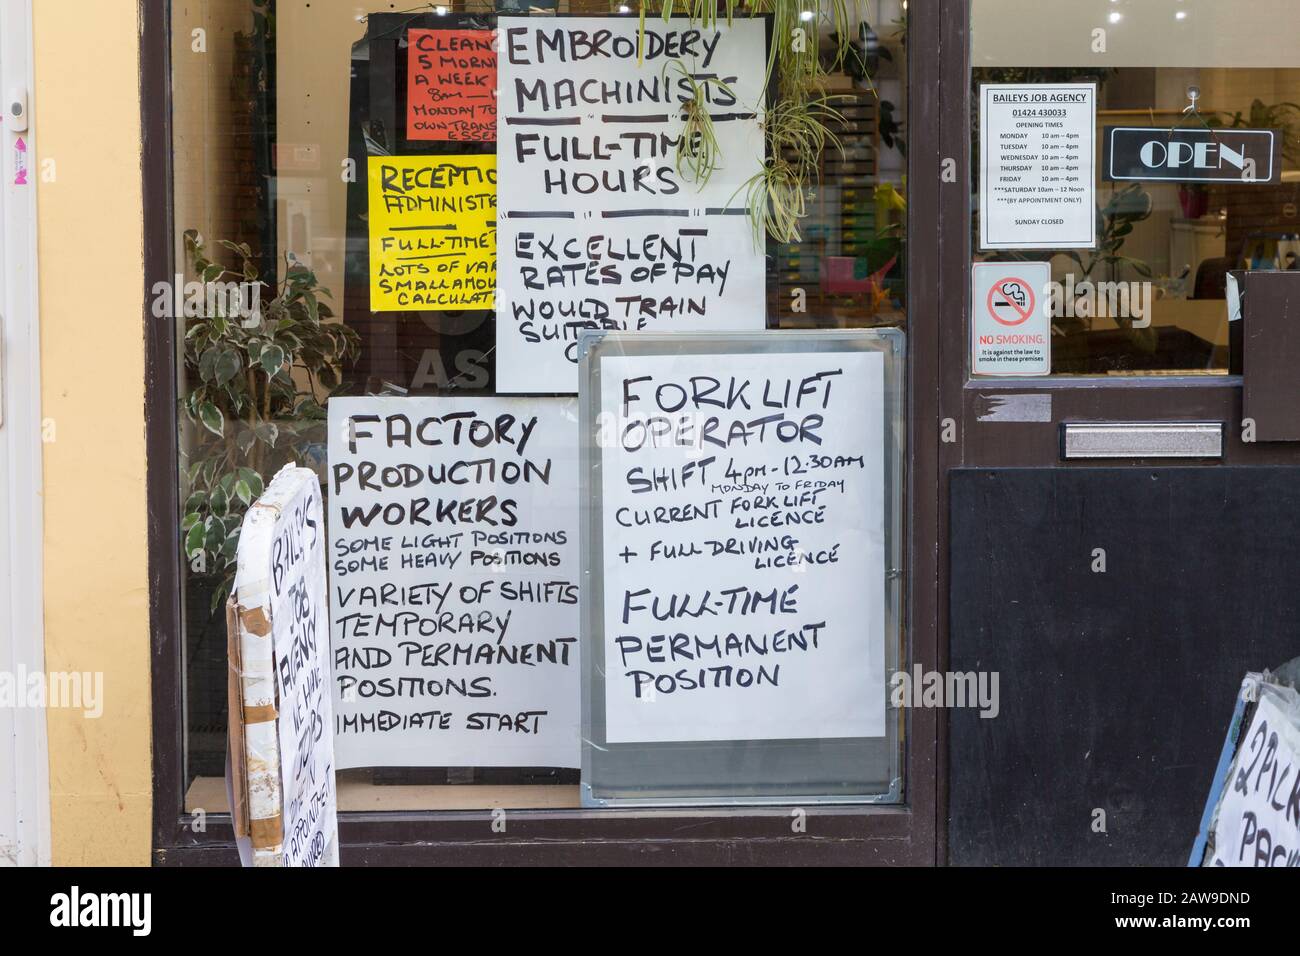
pixel 598 229
pixel 451 86
pixel 454 576
pixel 743 546
pixel 1037 166
pixel 432 233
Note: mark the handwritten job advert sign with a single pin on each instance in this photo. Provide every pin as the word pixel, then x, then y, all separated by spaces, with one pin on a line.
pixel 1257 821
pixel 282 749
pixel 451 86
pixel 454 581
pixel 432 233
pixel 599 227
pixel 743 546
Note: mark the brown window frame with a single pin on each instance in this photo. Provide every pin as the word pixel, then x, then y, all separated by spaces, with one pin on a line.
pixel 869 834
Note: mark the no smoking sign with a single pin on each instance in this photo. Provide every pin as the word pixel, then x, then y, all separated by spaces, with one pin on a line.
pixel 1010 328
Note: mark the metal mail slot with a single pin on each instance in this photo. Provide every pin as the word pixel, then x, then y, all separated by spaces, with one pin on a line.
pixel 1142 440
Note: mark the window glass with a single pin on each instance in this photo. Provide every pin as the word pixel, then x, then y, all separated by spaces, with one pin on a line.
pixel 274 101
pixel 1196 151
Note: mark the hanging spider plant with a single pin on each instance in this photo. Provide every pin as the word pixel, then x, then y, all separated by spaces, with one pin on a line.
pixel 798 124
pixel 698 150
pixel 777 198
pixel 703 13
pixel 798 130
pixel 795 50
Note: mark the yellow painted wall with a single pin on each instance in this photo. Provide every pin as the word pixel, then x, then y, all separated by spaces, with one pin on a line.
pixel 87 122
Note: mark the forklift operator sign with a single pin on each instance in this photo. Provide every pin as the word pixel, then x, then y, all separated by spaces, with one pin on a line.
pixel 1010 326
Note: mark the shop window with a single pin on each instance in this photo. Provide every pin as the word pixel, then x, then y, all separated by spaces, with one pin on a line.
pixel 1186 119
pixel 278 108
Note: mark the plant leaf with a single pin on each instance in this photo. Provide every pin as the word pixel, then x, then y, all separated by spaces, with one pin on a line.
pixel 272 359
pixel 252 479
pixel 194 540
pixel 219 502
pixel 212 419
pixel 214 537
pixel 208 364
pixel 227 366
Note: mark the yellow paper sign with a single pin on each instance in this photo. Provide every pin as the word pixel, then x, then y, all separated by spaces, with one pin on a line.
pixel 433 236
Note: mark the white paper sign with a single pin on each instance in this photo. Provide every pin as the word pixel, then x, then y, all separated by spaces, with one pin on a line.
pixel 1011 326
pixel 454 577
pixel 743 540
pixel 597 227
pixel 1037 166
pixel 1258 822
pixel 282 571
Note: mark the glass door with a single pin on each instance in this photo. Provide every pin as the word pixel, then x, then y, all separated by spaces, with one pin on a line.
pixel 1118 260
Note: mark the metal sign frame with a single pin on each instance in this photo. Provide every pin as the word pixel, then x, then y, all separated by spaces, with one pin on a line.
pixel 745 772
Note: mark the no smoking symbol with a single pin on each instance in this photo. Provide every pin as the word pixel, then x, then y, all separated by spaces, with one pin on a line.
pixel 1013 298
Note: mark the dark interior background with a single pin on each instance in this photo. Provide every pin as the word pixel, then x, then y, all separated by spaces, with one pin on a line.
pixel 1116 688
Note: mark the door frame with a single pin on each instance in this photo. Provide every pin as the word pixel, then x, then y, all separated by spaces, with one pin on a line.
pixel 1011 444
pixel 24 755
pixel 1007 444
pixel 865 834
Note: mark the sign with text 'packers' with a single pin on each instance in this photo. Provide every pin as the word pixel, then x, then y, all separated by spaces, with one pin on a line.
pixel 432 233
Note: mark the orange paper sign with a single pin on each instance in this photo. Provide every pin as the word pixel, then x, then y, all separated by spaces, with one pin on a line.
pixel 451 86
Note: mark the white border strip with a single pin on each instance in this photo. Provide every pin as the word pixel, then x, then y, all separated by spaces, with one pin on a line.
pixel 20 440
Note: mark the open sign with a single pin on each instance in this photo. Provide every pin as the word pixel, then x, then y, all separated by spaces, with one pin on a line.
pixel 1191 155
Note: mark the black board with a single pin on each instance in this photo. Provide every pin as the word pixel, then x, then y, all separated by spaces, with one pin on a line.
pixel 1115 688
pixel 423 352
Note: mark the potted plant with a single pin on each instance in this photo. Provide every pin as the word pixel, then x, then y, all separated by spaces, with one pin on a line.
pixel 254 392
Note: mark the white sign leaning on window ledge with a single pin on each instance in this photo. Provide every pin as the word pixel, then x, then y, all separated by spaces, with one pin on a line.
pixel 282 768
pixel 743 573
pixel 454 577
